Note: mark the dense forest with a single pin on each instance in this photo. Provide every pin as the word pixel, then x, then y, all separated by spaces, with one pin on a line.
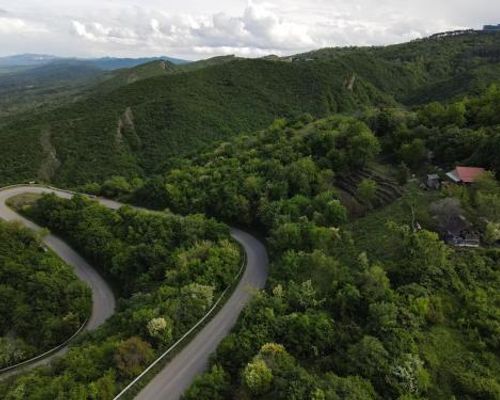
pixel 132 129
pixel 370 305
pixel 37 83
pixel 325 155
pixel 296 157
pixel 168 271
pixel 42 303
pixel 370 308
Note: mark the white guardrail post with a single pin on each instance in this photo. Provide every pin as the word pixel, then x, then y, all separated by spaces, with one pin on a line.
pixel 47 353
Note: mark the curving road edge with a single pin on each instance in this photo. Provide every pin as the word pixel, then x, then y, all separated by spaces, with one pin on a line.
pixel 103 299
pixel 171 382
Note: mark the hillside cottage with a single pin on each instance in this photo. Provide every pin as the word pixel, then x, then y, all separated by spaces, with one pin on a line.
pixel 465 175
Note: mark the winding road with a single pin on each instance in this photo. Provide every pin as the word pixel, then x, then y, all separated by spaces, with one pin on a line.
pixel 178 374
pixel 103 299
pixel 176 377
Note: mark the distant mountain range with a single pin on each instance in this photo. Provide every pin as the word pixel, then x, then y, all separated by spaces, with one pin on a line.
pixel 104 63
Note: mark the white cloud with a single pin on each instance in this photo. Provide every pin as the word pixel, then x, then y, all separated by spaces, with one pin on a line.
pixel 196 28
pixel 10 25
pixel 97 32
pixel 257 28
pixel 81 30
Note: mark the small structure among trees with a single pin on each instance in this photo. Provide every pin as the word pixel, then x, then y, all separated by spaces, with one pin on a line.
pixel 433 182
pixel 454 226
pixel 465 175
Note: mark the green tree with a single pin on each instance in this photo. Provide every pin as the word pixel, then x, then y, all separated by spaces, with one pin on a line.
pixel 160 329
pixel 116 186
pixel 212 385
pixel 367 191
pixel 132 356
pixel 413 154
pixel 348 388
pixel 363 146
pixel 422 257
pixel 456 114
pixel 257 377
pixel 410 375
pixel 302 174
pixel 196 300
pixel 403 174
pixel 492 233
pixel 368 357
pixel 104 388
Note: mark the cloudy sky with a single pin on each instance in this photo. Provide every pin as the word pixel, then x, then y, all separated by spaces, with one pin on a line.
pixel 195 29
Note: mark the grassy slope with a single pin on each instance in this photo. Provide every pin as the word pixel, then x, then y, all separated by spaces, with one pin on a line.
pixel 371 232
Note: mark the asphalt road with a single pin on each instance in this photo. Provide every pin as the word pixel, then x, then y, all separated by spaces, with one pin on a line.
pixel 103 300
pixel 171 382
pixel 176 376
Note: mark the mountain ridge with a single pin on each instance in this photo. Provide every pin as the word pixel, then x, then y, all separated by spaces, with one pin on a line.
pixel 179 109
pixel 105 63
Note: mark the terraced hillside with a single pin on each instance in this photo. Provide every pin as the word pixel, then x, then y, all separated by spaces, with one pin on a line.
pixel 387 189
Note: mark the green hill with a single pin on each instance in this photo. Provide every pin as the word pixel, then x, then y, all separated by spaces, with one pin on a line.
pixel 436 68
pixel 126 76
pixel 41 82
pixel 134 129
pixel 139 119
pixel 364 298
pixel 34 89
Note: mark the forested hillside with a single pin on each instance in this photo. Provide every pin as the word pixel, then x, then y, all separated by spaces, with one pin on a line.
pixel 134 129
pixel 436 68
pixel 38 89
pixel 42 302
pixel 36 83
pixel 325 155
pixel 168 271
pixel 153 69
pixel 368 308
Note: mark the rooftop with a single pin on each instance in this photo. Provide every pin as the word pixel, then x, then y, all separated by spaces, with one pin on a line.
pixel 469 174
pixel 465 174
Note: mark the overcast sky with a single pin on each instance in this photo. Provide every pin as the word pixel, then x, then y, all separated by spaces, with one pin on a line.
pixel 195 29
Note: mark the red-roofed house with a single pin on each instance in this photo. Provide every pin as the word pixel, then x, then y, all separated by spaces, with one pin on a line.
pixel 465 174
